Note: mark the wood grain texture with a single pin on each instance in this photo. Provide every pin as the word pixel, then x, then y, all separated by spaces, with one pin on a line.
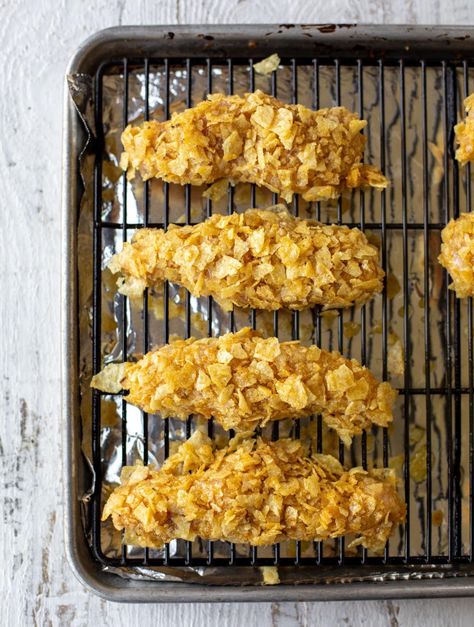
pixel 37 586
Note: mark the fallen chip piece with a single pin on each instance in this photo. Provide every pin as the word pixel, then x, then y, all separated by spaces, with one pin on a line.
pixel 270 575
pixel 254 138
pixel 254 492
pixel 268 65
pixel 262 258
pixel 109 379
pixel 457 254
pixel 395 356
pixel 244 381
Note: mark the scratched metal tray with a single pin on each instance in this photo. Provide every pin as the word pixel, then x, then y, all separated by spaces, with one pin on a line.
pixel 408 82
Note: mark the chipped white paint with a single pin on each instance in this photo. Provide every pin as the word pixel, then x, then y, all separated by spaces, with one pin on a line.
pixel 36 40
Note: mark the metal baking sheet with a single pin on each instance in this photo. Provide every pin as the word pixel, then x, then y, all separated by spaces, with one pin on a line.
pixel 409 83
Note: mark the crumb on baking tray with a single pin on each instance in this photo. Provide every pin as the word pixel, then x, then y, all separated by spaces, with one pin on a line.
pixel 270 576
pixel 268 65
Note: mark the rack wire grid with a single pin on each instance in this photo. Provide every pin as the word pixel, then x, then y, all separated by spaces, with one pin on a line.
pixel 411 107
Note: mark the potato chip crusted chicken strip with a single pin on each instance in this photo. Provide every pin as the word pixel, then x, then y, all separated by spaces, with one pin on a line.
pixel 254 138
pixel 254 492
pixel 464 132
pixel 245 381
pixel 457 254
pixel 266 259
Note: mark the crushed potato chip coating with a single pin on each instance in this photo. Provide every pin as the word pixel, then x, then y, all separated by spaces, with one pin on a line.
pixel 254 492
pixel 262 258
pixel 254 138
pixel 464 132
pixel 457 254
pixel 245 381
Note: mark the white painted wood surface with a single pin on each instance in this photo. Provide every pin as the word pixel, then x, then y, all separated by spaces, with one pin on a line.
pixel 37 586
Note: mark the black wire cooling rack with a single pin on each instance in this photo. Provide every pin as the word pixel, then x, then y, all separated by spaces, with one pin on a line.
pixel 411 104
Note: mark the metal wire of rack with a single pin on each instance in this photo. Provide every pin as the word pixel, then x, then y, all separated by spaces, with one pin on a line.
pixel 453 389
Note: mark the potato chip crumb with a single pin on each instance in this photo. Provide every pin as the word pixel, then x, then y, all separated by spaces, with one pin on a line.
pixel 418 460
pixel 109 379
pixel 131 286
pixel 396 462
pixel 395 355
pixel 393 286
pixel 244 381
pixel 254 138
pixel 254 492
pixel 351 329
pixel 108 414
pixel 416 434
pixel 217 190
pixel 402 310
pixel 270 575
pixel 457 253
pixel 263 258
pixel 268 65
pixel 377 328
pixel 437 150
pixel 199 323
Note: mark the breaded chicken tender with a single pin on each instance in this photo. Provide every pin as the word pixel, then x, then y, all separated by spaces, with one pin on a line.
pixel 266 259
pixel 457 254
pixel 254 492
pixel 245 381
pixel 254 138
pixel 464 132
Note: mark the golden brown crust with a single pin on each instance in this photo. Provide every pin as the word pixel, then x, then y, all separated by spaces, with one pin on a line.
pixel 266 259
pixel 457 254
pixel 254 138
pixel 254 492
pixel 464 132
pixel 245 381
